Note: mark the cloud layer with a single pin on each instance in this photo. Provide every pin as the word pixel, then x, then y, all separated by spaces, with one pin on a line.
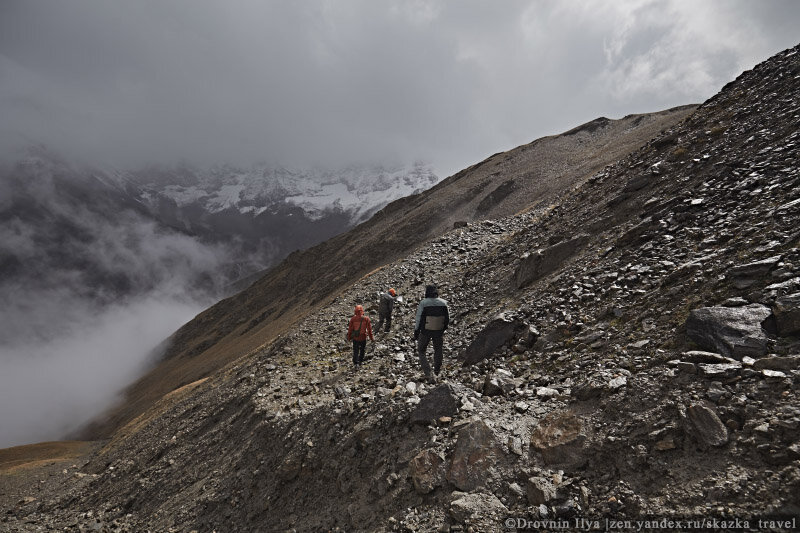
pixel 450 82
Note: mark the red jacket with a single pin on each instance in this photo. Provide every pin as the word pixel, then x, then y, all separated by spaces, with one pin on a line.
pixel 359 321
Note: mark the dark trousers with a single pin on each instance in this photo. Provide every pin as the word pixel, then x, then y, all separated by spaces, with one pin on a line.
pixel 422 347
pixel 359 347
pixel 381 318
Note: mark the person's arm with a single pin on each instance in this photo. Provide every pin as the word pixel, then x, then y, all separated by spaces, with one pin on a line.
pixel 446 316
pixel 369 330
pixel 420 308
pixel 349 329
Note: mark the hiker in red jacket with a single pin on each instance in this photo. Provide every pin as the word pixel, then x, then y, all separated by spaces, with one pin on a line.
pixel 358 330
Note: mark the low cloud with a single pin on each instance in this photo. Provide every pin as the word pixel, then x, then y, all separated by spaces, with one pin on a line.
pixel 90 287
pixel 50 387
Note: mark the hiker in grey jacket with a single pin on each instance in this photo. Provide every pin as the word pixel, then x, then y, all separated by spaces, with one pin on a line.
pixel 385 307
pixel 433 317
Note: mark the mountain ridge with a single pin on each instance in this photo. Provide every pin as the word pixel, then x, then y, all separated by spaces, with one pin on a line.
pixel 297 285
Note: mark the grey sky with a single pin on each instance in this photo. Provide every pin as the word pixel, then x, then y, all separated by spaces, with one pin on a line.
pixel 301 82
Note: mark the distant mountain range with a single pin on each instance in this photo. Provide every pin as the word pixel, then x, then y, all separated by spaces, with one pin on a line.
pixel 248 218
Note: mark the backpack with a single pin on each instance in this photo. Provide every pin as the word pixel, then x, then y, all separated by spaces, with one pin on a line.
pixel 357 332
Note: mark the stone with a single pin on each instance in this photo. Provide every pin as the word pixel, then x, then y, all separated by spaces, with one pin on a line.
pixel 547 260
pixel 719 371
pixel 482 510
pixel 697 356
pixel 743 276
pixel 440 401
pixel 502 330
pixel 732 331
pixel 708 428
pixel 787 314
pixel 560 438
pixel 546 392
pixel 774 374
pixel 427 470
pixel 664 445
pixel 530 336
pixel 617 383
pixel 540 490
pixel 777 363
pixel 521 407
pixel 475 456
pixel 500 382
pixel 736 301
pixel 588 390
pixel 515 445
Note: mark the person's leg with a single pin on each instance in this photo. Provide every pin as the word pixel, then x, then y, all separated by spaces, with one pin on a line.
pixel 355 352
pixel 380 322
pixel 362 347
pixel 438 341
pixel 388 322
pixel 422 346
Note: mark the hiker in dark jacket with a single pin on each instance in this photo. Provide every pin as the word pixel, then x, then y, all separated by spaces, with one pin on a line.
pixel 385 307
pixel 357 331
pixel 433 317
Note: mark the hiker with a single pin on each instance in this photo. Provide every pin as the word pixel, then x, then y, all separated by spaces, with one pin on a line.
pixel 385 307
pixel 433 318
pixel 357 331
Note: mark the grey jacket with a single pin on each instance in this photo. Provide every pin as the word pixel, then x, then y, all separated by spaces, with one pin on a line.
pixel 386 304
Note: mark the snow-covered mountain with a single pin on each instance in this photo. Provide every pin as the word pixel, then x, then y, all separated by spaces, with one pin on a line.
pixel 355 191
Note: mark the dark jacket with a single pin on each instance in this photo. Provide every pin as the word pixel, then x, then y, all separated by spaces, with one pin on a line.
pixel 386 304
pixel 433 317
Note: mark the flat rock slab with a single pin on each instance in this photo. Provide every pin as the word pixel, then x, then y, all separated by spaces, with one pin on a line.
pixel 440 401
pixel 502 330
pixel 732 331
pixel 777 363
pixel 719 371
pixel 743 276
pixel 538 264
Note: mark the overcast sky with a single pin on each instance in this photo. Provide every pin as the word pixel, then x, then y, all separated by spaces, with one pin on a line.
pixel 449 82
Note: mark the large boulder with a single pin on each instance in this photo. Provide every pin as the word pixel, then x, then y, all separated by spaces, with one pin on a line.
pixel 561 439
pixel 440 401
pixel 732 331
pixel 787 314
pixel 474 459
pixel 706 425
pixel 743 276
pixel 502 330
pixel 427 471
pixel 542 262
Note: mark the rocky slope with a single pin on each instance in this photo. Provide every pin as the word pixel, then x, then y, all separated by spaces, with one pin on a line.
pixel 630 353
pixel 530 177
